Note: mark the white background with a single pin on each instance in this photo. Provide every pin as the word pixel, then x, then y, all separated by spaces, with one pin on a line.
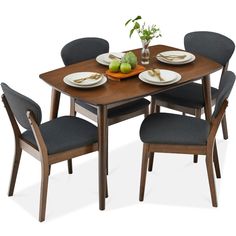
pixel 177 199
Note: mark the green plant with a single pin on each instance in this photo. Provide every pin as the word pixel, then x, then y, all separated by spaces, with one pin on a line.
pixel 144 32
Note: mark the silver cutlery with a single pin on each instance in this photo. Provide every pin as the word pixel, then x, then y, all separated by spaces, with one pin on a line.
pixel 112 56
pixel 172 57
pixel 156 73
pixel 94 77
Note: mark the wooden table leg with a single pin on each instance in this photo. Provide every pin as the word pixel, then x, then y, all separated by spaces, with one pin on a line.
pixel 103 144
pixel 55 99
pixel 207 96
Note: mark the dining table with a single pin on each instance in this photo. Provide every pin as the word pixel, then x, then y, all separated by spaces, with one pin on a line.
pixel 114 92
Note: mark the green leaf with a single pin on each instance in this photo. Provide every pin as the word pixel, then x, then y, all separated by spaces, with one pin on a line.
pixel 131 32
pixel 136 25
pixel 127 22
pixel 137 18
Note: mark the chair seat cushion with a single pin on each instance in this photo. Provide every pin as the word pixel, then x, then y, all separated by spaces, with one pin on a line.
pixel 189 95
pixel 123 109
pixel 64 133
pixel 165 128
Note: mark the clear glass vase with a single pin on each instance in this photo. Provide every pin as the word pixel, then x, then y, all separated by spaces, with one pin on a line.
pixel 145 53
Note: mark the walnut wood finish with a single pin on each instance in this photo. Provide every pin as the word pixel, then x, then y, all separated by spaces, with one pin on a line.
pixel 114 92
pixel 209 150
pixel 41 154
pixel 196 111
pixel 130 88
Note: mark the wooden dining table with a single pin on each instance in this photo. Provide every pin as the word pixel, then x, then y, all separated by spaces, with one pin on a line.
pixel 114 92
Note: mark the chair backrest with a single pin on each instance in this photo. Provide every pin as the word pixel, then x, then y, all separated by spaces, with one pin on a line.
pixel 20 104
pixel 212 45
pixel 225 88
pixel 83 49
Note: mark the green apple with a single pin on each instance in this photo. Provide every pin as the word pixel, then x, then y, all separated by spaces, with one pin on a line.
pixel 114 66
pixel 130 58
pixel 125 68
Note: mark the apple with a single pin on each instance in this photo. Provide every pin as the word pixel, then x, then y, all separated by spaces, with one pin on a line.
pixel 125 68
pixel 114 66
pixel 130 58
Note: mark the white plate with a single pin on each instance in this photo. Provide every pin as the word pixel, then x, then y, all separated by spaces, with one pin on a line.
pixel 143 77
pixel 101 82
pixel 105 60
pixel 166 75
pixel 189 57
pixel 80 75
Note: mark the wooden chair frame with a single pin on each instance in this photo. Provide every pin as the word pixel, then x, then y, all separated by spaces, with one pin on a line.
pixel 209 150
pixel 197 112
pixel 40 153
pixel 74 107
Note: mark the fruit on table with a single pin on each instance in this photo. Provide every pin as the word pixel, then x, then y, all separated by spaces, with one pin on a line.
pixel 130 58
pixel 125 68
pixel 114 66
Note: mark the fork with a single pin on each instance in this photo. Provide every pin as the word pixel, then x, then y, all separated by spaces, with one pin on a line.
pixel 94 77
pixel 172 57
pixel 156 72
pixel 111 56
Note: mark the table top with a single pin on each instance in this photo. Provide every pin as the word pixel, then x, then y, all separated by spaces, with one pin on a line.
pixel 130 88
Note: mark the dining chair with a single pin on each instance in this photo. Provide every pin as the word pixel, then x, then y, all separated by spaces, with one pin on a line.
pixel 172 133
pixel 51 142
pixel 88 48
pixel 189 98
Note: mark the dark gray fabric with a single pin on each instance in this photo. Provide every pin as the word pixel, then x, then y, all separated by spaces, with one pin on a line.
pixel 83 49
pixel 189 95
pixel 165 128
pixel 225 88
pixel 20 104
pixel 119 110
pixel 65 133
pixel 211 45
pixel 88 48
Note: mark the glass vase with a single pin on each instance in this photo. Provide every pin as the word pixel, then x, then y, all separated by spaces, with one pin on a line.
pixel 145 53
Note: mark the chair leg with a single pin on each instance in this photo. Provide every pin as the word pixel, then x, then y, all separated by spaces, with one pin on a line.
pixel 154 109
pixel 72 113
pixel 106 194
pixel 216 162
pixel 143 172
pixel 210 173
pixel 150 162
pixel 15 168
pixel 43 192
pixel 153 106
pixel 72 107
pixel 198 115
pixel 195 158
pixel 224 127
pixel 49 170
pixel 146 113
pixel 70 167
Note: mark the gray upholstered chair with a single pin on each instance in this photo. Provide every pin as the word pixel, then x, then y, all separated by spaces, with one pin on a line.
pixel 88 48
pixel 172 133
pixel 51 142
pixel 189 98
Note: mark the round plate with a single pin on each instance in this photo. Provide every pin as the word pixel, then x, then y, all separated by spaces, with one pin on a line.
pixel 143 76
pixel 166 75
pixel 80 75
pixel 175 57
pixel 101 82
pixel 105 60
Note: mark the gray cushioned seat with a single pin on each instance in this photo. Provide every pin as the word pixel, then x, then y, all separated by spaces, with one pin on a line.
pixel 119 110
pixel 165 128
pixel 189 95
pixel 65 133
